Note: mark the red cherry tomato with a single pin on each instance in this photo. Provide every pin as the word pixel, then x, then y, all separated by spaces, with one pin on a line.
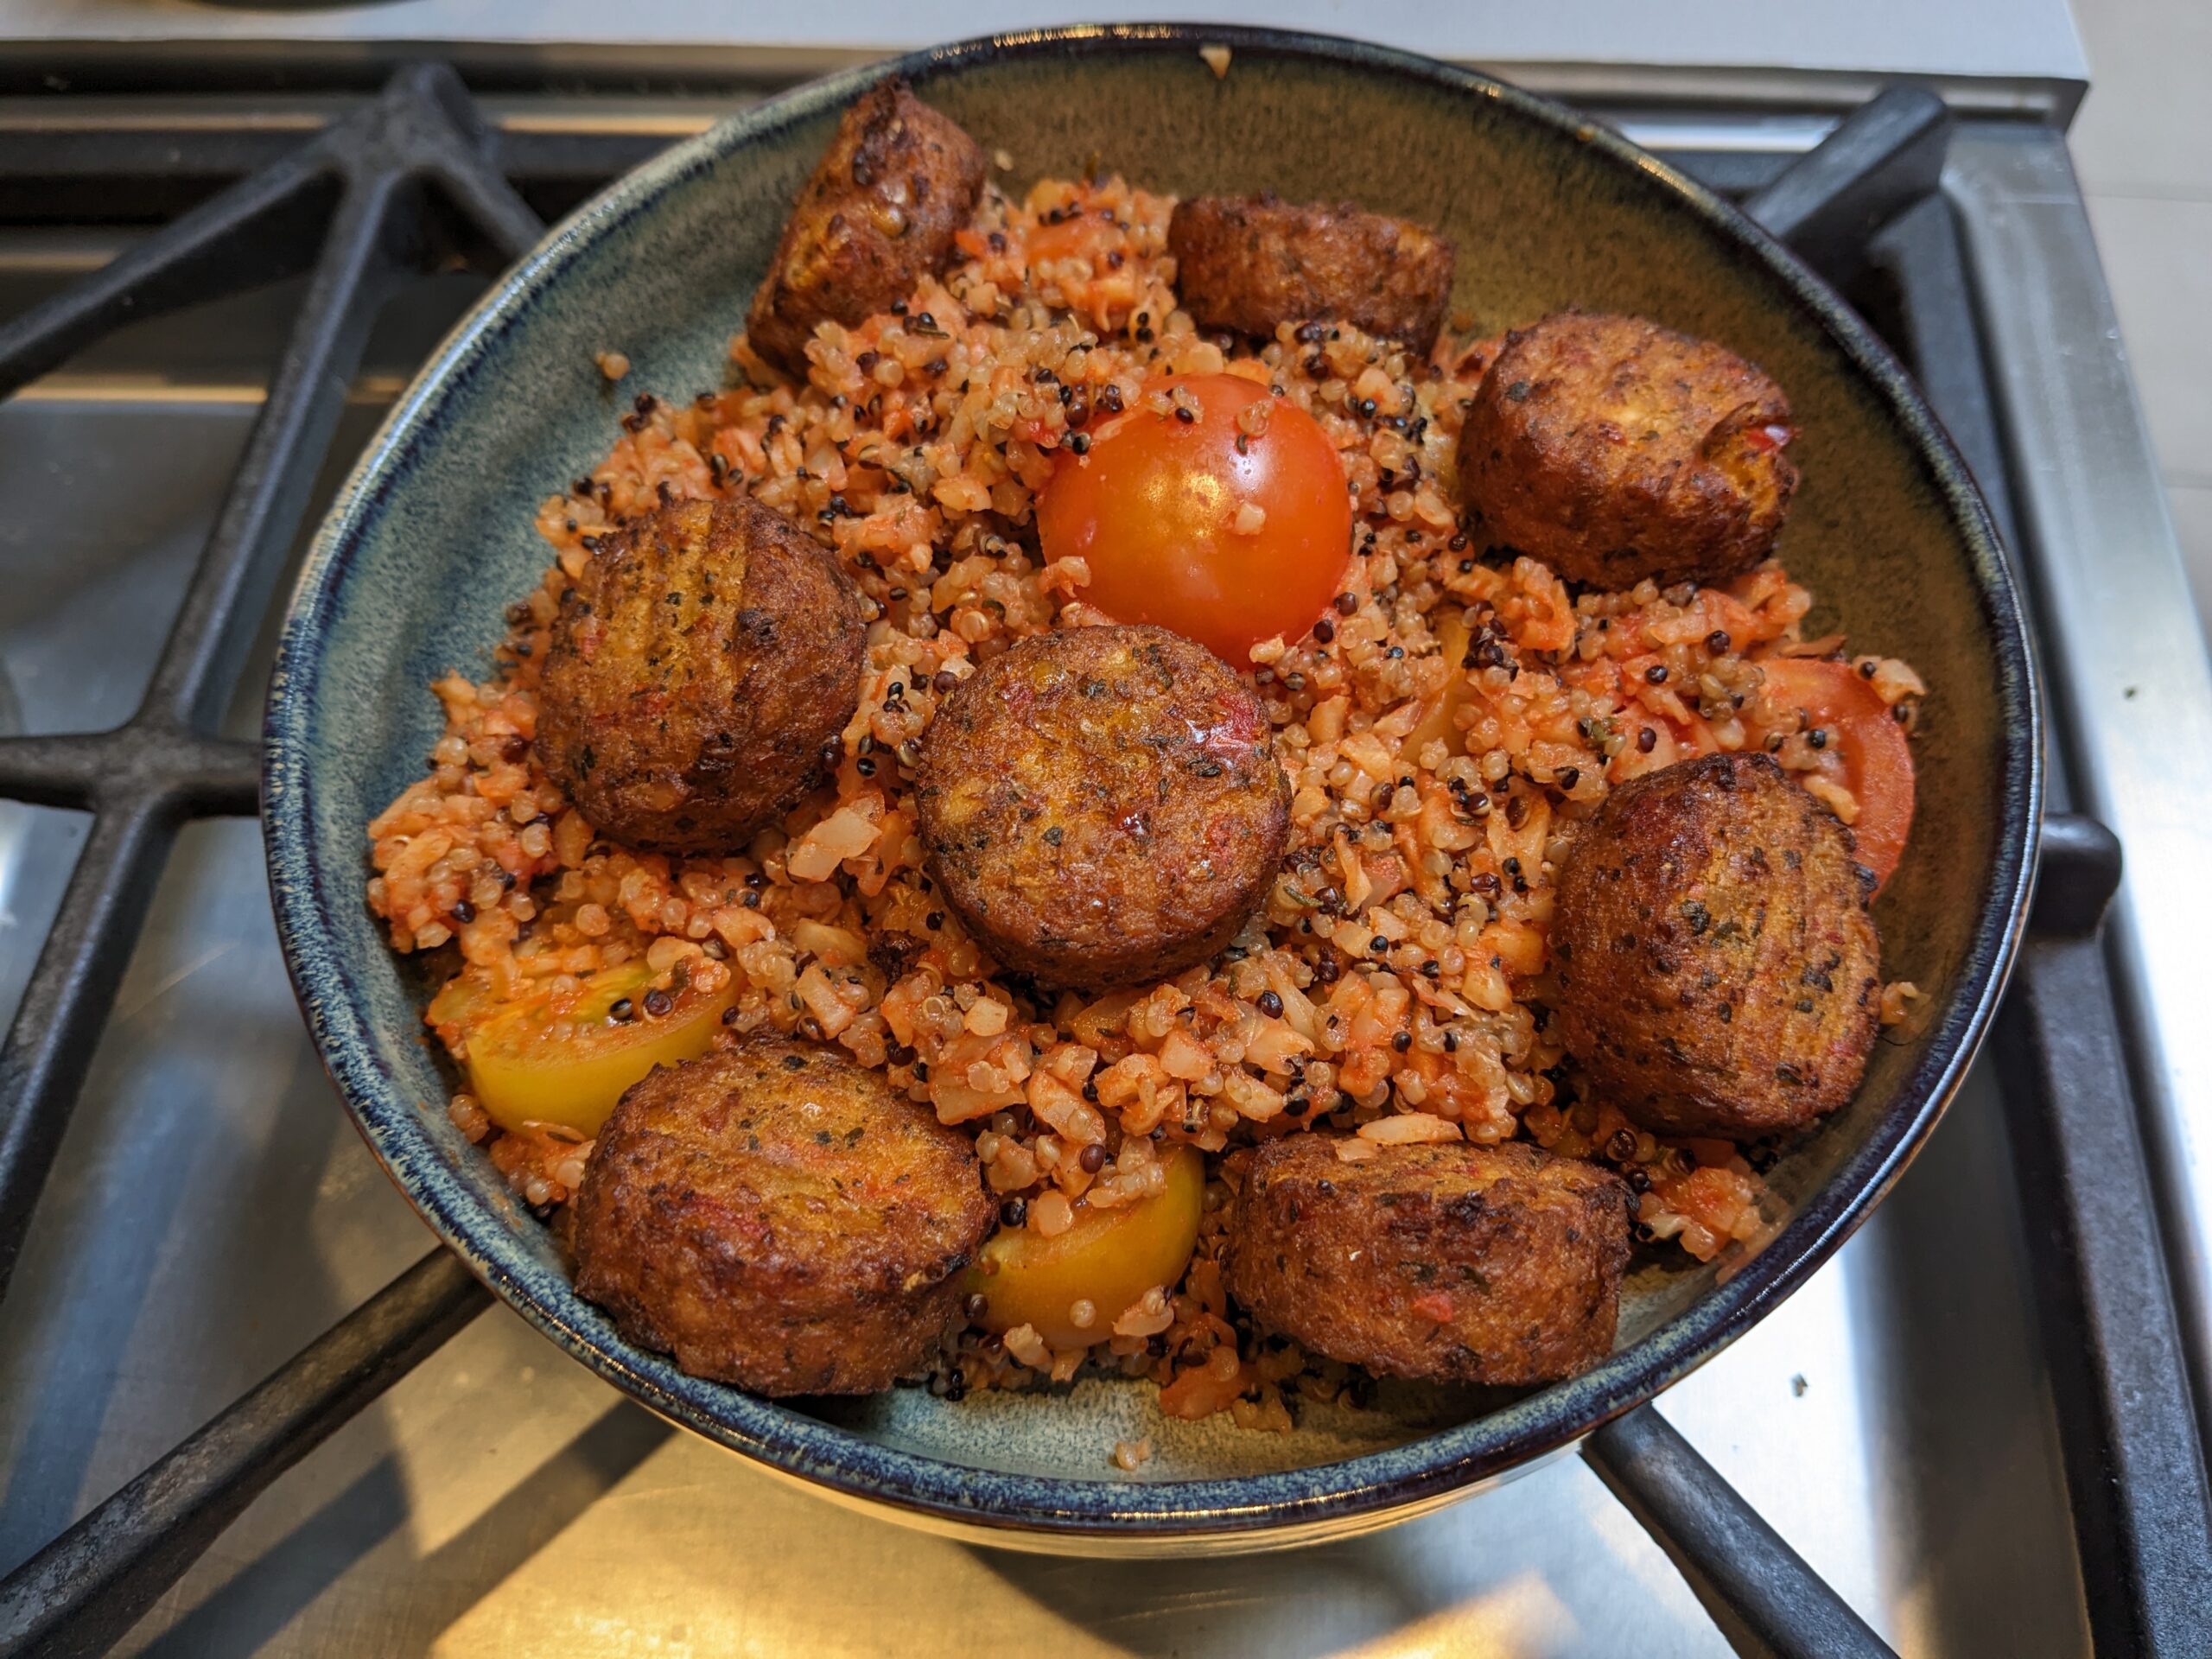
pixel 1877 760
pixel 1223 535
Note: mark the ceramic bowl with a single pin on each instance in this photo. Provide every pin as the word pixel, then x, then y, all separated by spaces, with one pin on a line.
pixel 432 536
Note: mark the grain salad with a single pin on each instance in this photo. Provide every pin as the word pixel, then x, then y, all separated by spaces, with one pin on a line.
pixel 1450 724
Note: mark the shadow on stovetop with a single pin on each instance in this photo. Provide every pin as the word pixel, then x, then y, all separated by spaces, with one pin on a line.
pixel 264 1596
pixel 1977 1556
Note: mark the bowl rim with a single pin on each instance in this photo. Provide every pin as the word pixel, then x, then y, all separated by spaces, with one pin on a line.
pixel 1412 1475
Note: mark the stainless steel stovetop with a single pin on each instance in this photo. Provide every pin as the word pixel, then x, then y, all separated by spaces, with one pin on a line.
pixel 212 1210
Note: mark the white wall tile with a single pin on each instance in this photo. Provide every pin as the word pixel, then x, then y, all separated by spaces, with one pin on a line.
pixel 2192 511
pixel 2147 127
pixel 2158 256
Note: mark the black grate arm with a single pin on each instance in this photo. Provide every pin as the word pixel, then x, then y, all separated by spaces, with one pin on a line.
pixel 139 804
pixel 263 228
pixel 418 141
pixel 210 776
pixel 83 1590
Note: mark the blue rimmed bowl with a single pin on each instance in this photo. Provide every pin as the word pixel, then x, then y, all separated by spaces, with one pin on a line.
pixel 433 536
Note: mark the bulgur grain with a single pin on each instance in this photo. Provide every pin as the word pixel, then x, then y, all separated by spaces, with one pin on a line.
pixel 1393 987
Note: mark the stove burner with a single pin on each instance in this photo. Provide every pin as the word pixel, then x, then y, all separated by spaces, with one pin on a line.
pixel 414 179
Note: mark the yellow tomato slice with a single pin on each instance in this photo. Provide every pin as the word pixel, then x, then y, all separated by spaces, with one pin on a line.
pixel 566 1060
pixel 1109 1258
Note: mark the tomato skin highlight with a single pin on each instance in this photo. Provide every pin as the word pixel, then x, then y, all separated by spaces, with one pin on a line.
pixel 1877 760
pixel 1226 537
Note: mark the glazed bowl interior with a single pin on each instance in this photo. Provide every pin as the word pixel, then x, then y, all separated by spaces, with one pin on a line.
pixel 433 537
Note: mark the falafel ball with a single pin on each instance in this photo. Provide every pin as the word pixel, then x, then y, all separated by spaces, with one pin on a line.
pixel 878 215
pixel 1614 450
pixel 1719 973
pixel 702 660
pixel 1252 262
pixel 779 1218
pixel 1447 1262
pixel 1103 806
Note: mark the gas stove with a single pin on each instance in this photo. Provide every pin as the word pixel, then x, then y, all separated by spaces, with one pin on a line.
pixel 1981 1423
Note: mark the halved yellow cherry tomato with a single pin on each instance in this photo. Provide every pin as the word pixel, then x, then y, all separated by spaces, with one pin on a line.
pixel 567 1059
pixel 1109 1258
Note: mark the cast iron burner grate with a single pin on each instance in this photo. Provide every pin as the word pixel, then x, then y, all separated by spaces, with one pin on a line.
pixel 417 179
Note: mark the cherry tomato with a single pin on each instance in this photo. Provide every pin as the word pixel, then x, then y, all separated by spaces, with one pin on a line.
pixel 1877 760
pixel 567 1059
pixel 1109 1258
pixel 1223 535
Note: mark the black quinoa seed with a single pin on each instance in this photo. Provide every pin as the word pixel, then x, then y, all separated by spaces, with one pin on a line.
pixel 658 1002
pixel 1347 604
pixel 1013 1212
pixel 1646 741
pixel 1656 674
pixel 1093 1158
pixel 1271 1005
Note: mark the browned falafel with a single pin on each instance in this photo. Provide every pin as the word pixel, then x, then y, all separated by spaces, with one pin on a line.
pixel 878 214
pixel 1251 262
pixel 1614 450
pixel 1103 806
pixel 696 668
pixel 1450 1261
pixel 1719 973
pixel 779 1218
